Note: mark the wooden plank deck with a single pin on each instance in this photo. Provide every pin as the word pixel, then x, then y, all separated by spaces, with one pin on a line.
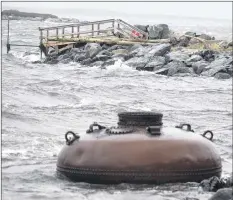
pixel 104 40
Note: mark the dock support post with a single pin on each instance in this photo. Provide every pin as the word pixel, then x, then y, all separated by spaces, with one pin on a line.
pixel 41 40
pixel 77 31
pixel 57 33
pixel 72 30
pixel 63 32
pixel 98 28
pixel 8 47
pixel 92 28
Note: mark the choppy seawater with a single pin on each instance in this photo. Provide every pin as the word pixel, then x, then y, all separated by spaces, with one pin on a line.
pixel 41 102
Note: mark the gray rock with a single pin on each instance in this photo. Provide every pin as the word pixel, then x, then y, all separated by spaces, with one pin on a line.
pixel 165 31
pixel 207 55
pixel 79 58
pixel 219 65
pixel 86 61
pixel 176 67
pixel 52 62
pixel 135 46
pixel 205 37
pixel 229 44
pixel 222 194
pixel 92 49
pixel 139 52
pixel 157 63
pixel 173 41
pixel 65 61
pixel 194 58
pixel 194 41
pixel 115 47
pixel 177 56
pixel 200 66
pixel 63 56
pixel 221 75
pixel 105 52
pixel 97 63
pixel 193 34
pixel 162 71
pixel 77 50
pixel 101 58
pixel 109 62
pixel 137 62
pixel 184 41
pixel 120 51
pixel 185 75
pixel 142 27
pixel 223 44
pixel 119 56
pixel 154 32
pixel 159 50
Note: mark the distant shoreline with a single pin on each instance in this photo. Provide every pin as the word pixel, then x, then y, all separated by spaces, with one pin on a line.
pixel 15 14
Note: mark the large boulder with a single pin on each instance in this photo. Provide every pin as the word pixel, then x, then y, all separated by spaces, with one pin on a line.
pixel 92 49
pixel 223 194
pixel 200 66
pixel 219 65
pixel 155 64
pixel 108 62
pixel 66 61
pixel 135 46
pixel 194 58
pixel 165 31
pixel 137 62
pixel 115 47
pixel 80 57
pixel 101 58
pixel 159 50
pixel 97 63
pixel 154 32
pixel 177 56
pixel 221 75
pixel 142 27
pixel 176 67
pixel 205 37
pixel 184 41
pixel 140 51
pixel 207 55
pixel 162 71
pixel 105 52
pixel 86 61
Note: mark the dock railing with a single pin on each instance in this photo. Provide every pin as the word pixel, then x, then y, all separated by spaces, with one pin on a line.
pixel 103 28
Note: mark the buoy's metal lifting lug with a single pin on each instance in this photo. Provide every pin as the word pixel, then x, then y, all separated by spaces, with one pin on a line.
pixel 211 135
pixel 70 140
pixel 181 126
pixel 91 127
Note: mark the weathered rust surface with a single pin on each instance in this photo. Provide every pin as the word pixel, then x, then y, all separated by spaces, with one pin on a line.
pixel 174 156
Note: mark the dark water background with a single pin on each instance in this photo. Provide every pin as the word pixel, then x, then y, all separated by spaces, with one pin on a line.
pixel 41 102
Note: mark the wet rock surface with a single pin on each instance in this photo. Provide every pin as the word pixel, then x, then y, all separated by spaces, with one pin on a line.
pixel 222 194
pixel 162 59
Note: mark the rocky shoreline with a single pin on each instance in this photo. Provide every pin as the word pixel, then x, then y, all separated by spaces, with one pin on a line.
pixel 163 59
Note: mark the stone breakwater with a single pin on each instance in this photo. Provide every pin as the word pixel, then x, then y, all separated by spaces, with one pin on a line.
pixel 163 59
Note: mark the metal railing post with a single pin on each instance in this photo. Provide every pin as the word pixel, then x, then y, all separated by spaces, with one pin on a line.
pixel 8 47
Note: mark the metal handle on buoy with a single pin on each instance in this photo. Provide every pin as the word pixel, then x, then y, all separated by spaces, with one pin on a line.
pixel 70 140
pixel 211 135
pixel 181 126
pixel 91 127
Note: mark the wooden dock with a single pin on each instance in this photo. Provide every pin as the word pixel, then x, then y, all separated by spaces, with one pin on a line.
pixel 111 31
